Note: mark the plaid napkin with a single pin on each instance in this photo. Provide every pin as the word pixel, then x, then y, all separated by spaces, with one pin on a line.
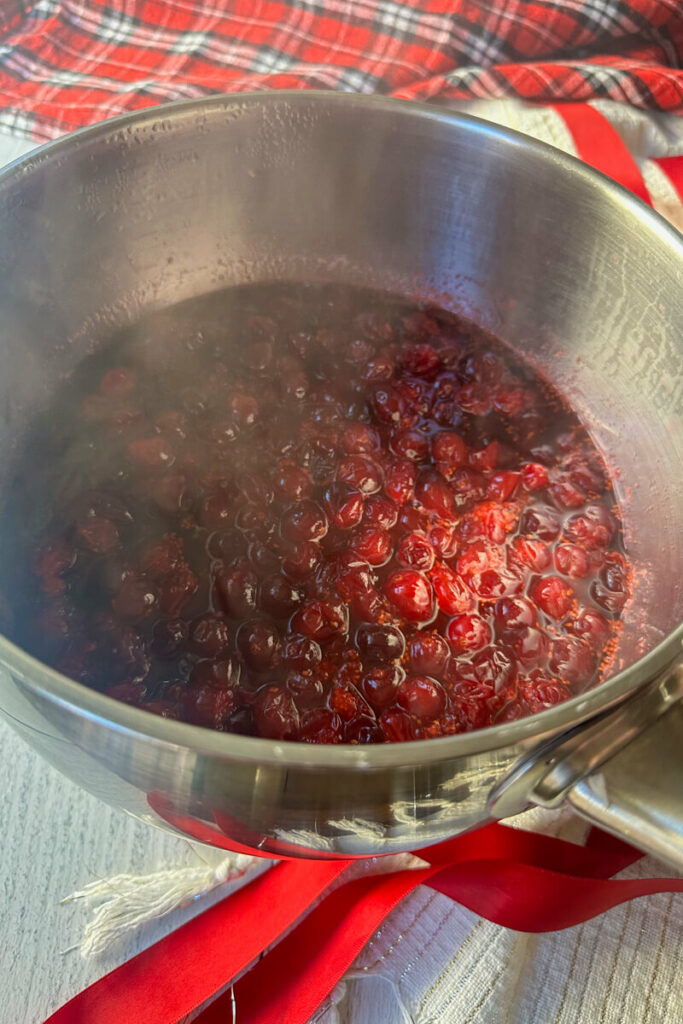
pixel 67 63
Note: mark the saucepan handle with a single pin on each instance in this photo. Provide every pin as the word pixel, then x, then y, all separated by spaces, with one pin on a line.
pixel 622 772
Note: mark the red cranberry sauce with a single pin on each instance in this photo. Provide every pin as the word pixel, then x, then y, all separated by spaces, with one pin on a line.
pixel 320 514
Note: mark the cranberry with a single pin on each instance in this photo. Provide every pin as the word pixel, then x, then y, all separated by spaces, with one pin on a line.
pixel 592 625
pixel 361 472
pixel 502 485
pixel 118 383
pixel 360 439
pixel 572 659
pixel 533 554
pixel 135 599
pixel 380 684
pixel 468 485
pixel 593 528
pixel 411 444
pixel 411 594
pixel 169 638
pixel 169 493
pixel 306 689
pixel 397 726
pixel 321 726
pixel 279 597
pixel 553 596
pixel 235 590
pixel 304 521
pixel 468 632
pixel 530 646
pixel 449 452
pixel 209 636
pixel 444 541
pixel 399 481
pixel 151 453
pixel 567 494
pixel 208 706
pixel 263 559
pixel 292 482
pixel 161 557
pixel 513 613
pixel 452 594
pixel 302 653
pixel 421 360
pixel 486 458
pixel 259 644
pixel 541 522
pixel 176 590
pixel 534 476
pixel 609 599
pixel 495 667
pixel 433 492
pixel 373 545
pixel 428 653
pixel 543 694
pixel 421 696
pixel 220 675
pixel 275 714
pixel 415 552
pixel 244 409
pixel 321 620
pixel 302 561
pixel 571 560
pixel 363 729
pixel 345 700
pixel 97 534
pixel 344 506
pixel 217 511
pixel 380 511
pixel 380 643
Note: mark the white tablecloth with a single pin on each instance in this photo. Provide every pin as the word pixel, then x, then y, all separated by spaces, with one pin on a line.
pixel 432 962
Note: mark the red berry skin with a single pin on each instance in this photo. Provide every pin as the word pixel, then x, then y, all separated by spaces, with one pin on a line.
pixel 397 726
pixel 343 505
pixel 572 659
pixel 571 560
pixel 411 594
pixel 380 684
pixel 373 545
pixel 422 697
pixel 449 452
pixel 321 620
pixel 591 625
pixel 151 453
pixel 534 476
pixel 415 552
pixel 452 594
pixel 361 472
pixel 553 595
pixel 428 654
pixel 399 481
pixel 468 632
pixel 305 521
pixel 275 714
pixel 380 511
pixel 176 590
pixel 235 591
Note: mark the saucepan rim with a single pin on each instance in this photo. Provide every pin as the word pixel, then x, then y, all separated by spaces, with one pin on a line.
pixel 107 712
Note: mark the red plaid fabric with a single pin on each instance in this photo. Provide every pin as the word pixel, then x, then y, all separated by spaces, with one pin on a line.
pixel 67 63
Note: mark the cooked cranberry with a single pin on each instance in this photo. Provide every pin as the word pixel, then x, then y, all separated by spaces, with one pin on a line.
pixel 452 594
pixel 433 492
pixel 160 557
pixel 571 560
pixel 609 599
pixel 495 667
pixel 304 521
pixel 275 714
pixel 572 659
pixel 244 409
pixel 259 643
pixel 468 632
pixel 209 636
pixel 363 729
pixel 217 511
pixel 542 694
pixel 220 675
pixel 449 452
pixel 209 706
pixel 279 597
pixel 169 637
pixel 380 684
pixel 468 485
pixel 292 482
pixel 534 476
pixel 97 534
pixel 592 625
pixel 421 696
pixel 373 545
pixel 514 613
pixel 553 596
pixel 176 590
pixel 530 646
pixel 321 620
pixel 344 506
pixel 361 472
pixel 533 554
pixel 135 599
pixel 541 522
pixel 380 511
pixel 263 558
pixel 235 590
pixel 399 481
pixel 411 444
pixel 321 726
pixel 502 485
pixel 593 528
pixel 169 493
pixel 415 552
pixel 302 653
pixel 428 653
pixel 360 439
pixel 302 561
pixel 306 689
pixel 397 726
pixel 118 383
pixel 567 494
pixel 345 700
pixel 380 643
pixel 421 360
pixel 151 453
pixel 411 594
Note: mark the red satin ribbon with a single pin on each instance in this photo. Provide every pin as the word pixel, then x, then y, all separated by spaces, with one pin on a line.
pixel 600 145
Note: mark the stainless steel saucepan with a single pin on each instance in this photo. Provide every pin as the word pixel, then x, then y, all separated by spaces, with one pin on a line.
pixel 149 209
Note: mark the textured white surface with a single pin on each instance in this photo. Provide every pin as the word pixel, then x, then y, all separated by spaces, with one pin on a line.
pixel 432 962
